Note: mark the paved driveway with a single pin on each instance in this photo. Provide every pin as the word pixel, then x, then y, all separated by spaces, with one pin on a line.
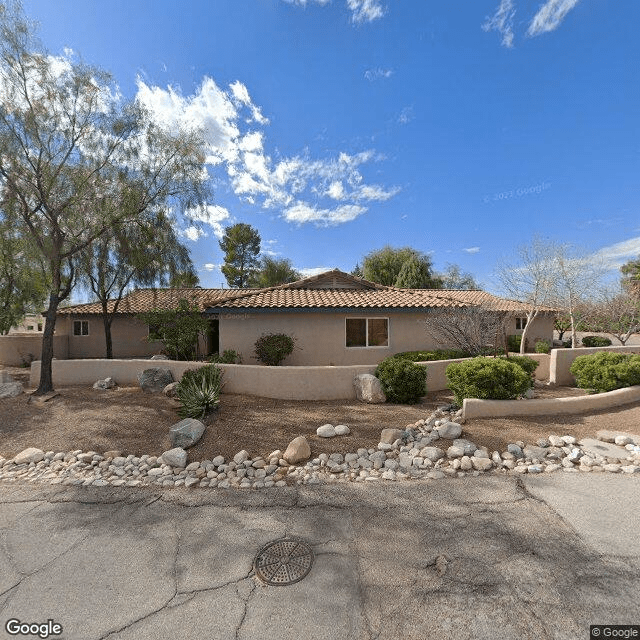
pixel 490 557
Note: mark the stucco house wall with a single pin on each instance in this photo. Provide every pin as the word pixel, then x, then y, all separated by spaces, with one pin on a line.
pixel 321 336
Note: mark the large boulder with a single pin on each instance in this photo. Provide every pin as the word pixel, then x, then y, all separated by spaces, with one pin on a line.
pixel 10 389
pixel 369 389
pixel 186 433
pixel 175 457
pixel 297 451
pixel 155 379
pixel 29 455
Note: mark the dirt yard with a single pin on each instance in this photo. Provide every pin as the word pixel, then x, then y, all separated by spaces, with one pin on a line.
pixel 134 422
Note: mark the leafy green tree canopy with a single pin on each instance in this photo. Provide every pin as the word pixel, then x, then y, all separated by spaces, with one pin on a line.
pixel 385 265
pixel 241 246
pixel 631 277
pixel 274 271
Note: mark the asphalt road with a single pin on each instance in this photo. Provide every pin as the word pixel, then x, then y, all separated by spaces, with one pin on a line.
pixel 471 558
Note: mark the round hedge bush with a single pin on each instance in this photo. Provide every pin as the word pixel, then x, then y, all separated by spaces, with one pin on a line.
pixel 596 341
pixel 526 362
pixel 488 378
pixel 606 371
pixel 403 382
pixel 273 348
pixel 542 346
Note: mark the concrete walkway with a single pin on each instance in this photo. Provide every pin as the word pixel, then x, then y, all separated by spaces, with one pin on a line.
pixel 472 558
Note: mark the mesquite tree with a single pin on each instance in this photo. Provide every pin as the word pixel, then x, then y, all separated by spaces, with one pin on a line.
pixel 76 161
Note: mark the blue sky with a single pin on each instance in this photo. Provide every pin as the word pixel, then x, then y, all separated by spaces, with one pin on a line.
pixel 335 127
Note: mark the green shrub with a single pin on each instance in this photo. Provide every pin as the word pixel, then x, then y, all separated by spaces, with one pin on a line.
pixel 542 346
pixel 436 354
pixel 403 382
pixel 229 356
pixel 513 343
pixel 606 371
pixel 527 363
pixel 273 348
pixel 199 391
pixel 489 378
pixel 567 343
pixel 596 341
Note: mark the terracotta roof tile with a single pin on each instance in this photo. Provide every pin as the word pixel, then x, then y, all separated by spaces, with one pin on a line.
pixel 354 293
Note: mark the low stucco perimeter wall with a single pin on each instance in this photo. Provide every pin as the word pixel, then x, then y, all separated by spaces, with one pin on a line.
pixel 474 408
pixel 285 383
pixel 562 359
pixel 18 348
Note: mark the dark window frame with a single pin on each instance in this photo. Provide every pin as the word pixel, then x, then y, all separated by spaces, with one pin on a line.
pixel 80 328
pixel 366 333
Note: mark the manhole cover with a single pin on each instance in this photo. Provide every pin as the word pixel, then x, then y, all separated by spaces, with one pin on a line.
pixel 283 562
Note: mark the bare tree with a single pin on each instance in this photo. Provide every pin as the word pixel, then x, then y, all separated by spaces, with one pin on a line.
pixel 529 280
pixel 576 277
pixel 616 313
pixel 471 329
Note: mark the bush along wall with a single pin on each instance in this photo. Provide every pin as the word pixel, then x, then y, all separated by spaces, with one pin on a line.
pixel 403 382
pixel 606 371
pixel 488 378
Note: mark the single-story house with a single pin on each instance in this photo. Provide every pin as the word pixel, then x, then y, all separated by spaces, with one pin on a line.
pixel 335 318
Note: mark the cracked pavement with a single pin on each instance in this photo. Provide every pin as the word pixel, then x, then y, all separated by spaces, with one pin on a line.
pixel 488 557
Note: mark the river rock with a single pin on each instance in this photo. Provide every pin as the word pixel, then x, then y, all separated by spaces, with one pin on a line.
pixel 107 383
pixel 297 451
pixel 155 379
pixel 342 430
pixel 389 436
pixel 449 430
pixel 369 389
pixel 29 455
pixel 326 431
pixel 11 389
pixel 186 433
pixel 176 457
pixel 170 389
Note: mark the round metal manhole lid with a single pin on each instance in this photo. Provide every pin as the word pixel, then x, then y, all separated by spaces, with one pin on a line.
pixel 283 562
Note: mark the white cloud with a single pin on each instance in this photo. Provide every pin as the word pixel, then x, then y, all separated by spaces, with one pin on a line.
pixel 313 271
pixel 235 144
pixel 304 3
pixel 615 255
pixel 472 249
pixel 502 21
pixel 209 266
pixel 406 115
pixel 302 212
pixel 377 73
pixel 211 215
pixel 192 233
pixel 365 10
pixel 550 15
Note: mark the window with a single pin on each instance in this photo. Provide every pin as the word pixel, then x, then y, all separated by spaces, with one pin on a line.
pixel 367 332
pixel 521 323
pixel 80 327
pixel 39 326
pixel 30 327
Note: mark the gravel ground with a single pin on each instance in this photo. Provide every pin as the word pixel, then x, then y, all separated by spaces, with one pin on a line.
pixel 135 422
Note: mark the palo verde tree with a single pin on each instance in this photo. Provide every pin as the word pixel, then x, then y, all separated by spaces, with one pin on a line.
pixel 22 285
pixel 143 252
pixel 76 161
pixel 241 246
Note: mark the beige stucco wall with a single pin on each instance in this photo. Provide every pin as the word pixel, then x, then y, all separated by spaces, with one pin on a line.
pixel 562 359
pixel 15 349
pixel 474 408
pixel 541 329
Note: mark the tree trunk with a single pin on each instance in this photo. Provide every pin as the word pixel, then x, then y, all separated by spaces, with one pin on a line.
pixel 46 375
pixel 574 335
pixel 107 337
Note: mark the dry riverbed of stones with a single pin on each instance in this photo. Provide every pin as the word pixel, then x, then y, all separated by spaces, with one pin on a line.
pixel 411 453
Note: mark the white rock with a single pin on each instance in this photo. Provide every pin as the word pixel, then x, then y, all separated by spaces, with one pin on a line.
pixel 342 430
pixel 369 389
pixel 432 453
pixel 449 430
pixel 326 431
pixel 556 441
pixel 435 475
pixel 622 440
pixel 241 456
pixel 10 389
pixel 176 457
pixel 217 461
pixel 481 464
pixel 569 439
pixel 297 451
pixel 29 455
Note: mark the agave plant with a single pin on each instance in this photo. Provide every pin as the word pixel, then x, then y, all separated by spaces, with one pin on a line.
pixel 199 391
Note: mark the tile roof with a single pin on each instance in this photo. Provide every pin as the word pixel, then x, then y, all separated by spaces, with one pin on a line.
pixel 314 292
